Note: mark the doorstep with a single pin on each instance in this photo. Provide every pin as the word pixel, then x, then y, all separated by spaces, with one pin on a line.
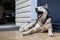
pixel 8 27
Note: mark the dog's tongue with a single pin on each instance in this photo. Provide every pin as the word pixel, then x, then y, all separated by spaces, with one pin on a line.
pixel 40 15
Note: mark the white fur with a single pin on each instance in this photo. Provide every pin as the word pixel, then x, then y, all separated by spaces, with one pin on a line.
pixel 49 24
pixel 39 26
pixel 26 26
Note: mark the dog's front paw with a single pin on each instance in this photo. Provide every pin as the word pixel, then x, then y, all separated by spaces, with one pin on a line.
pixel 50 34
pixel 25 33
pixel 20 30
pixel 23 29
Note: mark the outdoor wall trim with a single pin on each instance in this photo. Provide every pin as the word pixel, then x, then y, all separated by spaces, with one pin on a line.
pixel 33 6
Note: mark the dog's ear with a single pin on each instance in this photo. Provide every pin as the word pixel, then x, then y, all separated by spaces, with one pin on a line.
pixel 36 9
pixel 46 6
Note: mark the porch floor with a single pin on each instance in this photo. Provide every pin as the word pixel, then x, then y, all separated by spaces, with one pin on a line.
pixel 15 35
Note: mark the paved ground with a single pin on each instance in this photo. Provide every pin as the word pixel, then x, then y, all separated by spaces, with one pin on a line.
pixel 39 36
pixel 8 35
pixel 15 35
pixel 9 32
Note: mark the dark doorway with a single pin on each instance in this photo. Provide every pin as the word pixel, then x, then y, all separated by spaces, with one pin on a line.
pixel 7 11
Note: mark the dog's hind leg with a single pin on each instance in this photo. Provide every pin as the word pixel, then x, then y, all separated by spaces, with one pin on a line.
pixel 50 33
pixel 49 26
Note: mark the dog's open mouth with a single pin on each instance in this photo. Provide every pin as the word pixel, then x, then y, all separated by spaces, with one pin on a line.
pixel 40 14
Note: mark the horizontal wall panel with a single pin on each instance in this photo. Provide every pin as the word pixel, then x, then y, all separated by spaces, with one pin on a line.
pixel 22 12
pixel 19 24
pixel 23 5
pixel 20 1
pixel 23 15
pixel 23 19
pixel 23 9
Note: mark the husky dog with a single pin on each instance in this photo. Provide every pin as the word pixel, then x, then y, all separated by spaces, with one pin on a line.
pixel 42 24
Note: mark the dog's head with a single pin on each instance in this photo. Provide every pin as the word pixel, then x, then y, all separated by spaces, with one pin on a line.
pixel 41 10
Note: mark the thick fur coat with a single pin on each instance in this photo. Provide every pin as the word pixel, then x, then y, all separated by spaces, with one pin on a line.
pixel 42 24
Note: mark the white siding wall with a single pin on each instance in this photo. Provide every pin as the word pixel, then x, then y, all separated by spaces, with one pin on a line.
pixel 22 12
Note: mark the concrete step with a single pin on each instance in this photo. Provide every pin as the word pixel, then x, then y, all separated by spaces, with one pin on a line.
pixel 10 29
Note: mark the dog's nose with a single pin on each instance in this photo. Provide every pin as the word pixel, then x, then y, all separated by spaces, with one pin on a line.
pixel 36 9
